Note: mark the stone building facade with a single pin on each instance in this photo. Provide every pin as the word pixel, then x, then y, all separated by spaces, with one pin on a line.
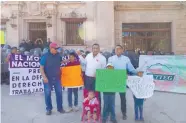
pixel 135 25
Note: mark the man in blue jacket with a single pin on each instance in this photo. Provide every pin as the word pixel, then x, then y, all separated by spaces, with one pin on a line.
pixel 50 71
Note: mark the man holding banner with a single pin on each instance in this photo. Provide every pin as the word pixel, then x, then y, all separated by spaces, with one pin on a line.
pixel 50 71
pixel 121 62
pixel 94 60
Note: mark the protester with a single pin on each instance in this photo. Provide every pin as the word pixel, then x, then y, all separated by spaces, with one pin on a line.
pixel 39 43
pixel 48 42
pixel 82 61
pixel 13 52
pixel 138 109
pixel 94 60
pixel 91 107
pixel 84 55
pixel 72 62
pixel 23 43
pixel 28 45
pixel 109 103
pixel 122 62
pixel 50 71
pixel 21 50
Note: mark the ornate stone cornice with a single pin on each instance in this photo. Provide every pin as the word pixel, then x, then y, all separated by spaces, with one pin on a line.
pixel 4 20
pixel 70 2
pixel 147 7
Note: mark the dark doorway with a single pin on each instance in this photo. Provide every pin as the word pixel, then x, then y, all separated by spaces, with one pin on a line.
pixel 147 36
pixel 37 30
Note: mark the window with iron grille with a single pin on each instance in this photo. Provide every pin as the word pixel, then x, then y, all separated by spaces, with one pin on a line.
pixel 74 33
pixel 147 36
pixel 37 30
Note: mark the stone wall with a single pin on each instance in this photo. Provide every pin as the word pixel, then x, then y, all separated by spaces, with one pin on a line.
pixel 104 20
pixel 144 12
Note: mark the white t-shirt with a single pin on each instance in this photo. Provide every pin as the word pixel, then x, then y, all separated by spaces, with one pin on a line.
pixel 93 63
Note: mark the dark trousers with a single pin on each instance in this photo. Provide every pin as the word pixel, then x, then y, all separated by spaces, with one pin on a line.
pixel 83 79
pixel 58 91
pixel 90 85
pixel 138 107
pixel 70 91
pixel 123 103
pixel 109 106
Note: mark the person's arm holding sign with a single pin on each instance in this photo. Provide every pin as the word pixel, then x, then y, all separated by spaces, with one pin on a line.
pixel 42 63
pixel 104 63
pixel 132 70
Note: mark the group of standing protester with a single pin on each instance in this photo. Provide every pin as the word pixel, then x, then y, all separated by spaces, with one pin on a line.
pixel 39 43
pixel 50 70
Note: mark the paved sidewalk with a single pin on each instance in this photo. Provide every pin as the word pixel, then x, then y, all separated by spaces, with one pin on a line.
pixel 161 108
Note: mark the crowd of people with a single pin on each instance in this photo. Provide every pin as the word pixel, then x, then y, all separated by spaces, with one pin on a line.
pixel 55 57
pixel 50 70
pixel 39 43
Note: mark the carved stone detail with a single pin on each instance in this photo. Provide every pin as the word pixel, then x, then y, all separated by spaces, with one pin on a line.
pixel 73 14
pixel 34 8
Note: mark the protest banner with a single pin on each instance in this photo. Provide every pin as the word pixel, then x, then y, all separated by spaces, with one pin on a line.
pixel 142 87
pixel 71 77
pixel 25 76
pixel 169 72
pixel 108 80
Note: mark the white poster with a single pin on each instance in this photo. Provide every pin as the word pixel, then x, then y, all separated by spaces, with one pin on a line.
pixel 25 76
pixel 142 87
pixel 25 81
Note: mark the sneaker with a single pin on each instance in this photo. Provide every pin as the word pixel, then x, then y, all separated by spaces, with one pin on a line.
pixel 48 112
pixel 70 109
pixel 114 121
pixel 124 117
pixel 104 121
pixel 76 108
pixel 136 119
pixel 62 111
pixel 141 119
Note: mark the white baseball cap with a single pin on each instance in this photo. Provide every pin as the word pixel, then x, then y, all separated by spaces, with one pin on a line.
pixel 109 64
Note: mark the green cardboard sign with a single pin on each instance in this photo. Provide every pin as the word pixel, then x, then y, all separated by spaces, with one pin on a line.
pixel 108 80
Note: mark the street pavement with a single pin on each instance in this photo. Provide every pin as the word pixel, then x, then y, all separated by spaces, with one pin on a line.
pixel 161 108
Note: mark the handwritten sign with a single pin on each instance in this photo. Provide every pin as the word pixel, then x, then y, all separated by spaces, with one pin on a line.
pixel 142 87
pixel 108 80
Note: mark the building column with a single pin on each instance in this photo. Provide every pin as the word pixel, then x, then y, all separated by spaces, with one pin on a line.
pixel 12 36
pixel 105 24
pixel 52 31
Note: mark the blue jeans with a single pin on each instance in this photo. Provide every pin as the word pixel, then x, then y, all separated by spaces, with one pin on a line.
pixel 109 106
pixel 138 107
pixel 58 90
pixel 70 91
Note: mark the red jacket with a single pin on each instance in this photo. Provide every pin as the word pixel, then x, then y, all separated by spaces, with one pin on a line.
pixel 91 105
